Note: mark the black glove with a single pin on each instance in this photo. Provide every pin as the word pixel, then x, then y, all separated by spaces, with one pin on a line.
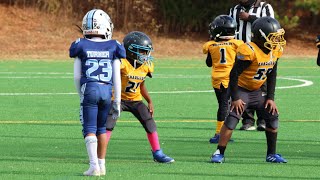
pixel 318 41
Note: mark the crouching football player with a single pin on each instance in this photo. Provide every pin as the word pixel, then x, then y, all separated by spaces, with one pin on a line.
pixel 256 63
pixel 134 70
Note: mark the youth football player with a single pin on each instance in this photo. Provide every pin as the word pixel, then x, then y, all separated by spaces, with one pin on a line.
pixel 256 63
pixel 134 71
pixel 96 70
pixel 221 53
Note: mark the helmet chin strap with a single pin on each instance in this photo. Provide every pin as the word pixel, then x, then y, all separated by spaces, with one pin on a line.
pixel 135 63
pixel 263 34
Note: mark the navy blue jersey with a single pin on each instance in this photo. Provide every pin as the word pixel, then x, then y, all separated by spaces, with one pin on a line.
pixel 96 58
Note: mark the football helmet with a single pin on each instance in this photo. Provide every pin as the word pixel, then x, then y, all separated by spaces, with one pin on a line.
pixel 267 32
pixel 223 27
pixel 138 46
pixel 97 22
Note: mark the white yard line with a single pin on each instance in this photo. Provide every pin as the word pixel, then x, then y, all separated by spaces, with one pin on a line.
pixel 304 84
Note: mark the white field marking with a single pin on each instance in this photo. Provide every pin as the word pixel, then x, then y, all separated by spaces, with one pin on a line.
pixel 305 83
pixel 39 73
pixel 37 77
pixel 131 121
pixel 158 76
pixel 35 94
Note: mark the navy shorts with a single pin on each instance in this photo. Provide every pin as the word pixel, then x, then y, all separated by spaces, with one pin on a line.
pixel 94 108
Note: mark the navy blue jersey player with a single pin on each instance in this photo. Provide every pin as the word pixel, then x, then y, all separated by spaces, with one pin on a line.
pixel 96 70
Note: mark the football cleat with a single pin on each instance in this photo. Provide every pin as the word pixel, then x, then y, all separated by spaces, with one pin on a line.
pixel 247 127
pixel 160 157
pixel 275 158
pixel 92 172
pixel 261 127
pixel 102 170
pixel 217 158
pixel 215 139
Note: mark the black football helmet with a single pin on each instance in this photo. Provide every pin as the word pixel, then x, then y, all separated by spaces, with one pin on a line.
pixel 267 32
pixel 222 27
pixel 138 46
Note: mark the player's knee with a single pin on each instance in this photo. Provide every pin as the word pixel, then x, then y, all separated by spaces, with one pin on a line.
pixel 272 123
pixel 111 123
pixel 149 125
pixel 109 129
pixel 90 139
pixel 89 130
pixel 101 130
pixel 231 122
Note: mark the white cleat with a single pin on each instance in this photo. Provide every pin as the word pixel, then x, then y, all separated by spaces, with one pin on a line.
pixel 102 171
pixel 92 172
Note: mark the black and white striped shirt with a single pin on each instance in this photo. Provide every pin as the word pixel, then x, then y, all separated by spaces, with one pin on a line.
pixel 257 10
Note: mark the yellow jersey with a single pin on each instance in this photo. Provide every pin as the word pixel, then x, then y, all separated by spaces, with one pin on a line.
pixel 255 75
pixel 131 78
pixel 223 55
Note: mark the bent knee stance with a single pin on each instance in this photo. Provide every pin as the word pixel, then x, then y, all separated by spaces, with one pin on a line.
pixel 149 125
pixel 111 123
pixel 273 122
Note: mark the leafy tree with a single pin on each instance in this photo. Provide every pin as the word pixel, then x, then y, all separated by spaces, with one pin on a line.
pixel 313 6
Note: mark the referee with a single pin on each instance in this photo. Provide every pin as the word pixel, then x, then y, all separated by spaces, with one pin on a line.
pixel 245 13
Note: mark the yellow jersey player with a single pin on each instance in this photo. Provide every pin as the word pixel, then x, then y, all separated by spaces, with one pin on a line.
pixel 256 63
pixel 221 53
pixel 134 70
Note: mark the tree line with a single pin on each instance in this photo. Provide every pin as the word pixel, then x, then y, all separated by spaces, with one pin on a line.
pixel 171 16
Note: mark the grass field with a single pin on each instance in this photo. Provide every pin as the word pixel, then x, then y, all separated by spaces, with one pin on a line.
pixel 41 133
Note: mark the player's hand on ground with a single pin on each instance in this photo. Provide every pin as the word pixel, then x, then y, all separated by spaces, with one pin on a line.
pixel 151 108
pixel 116 110
pixel 318 41
pixel 272 108
pixel 238 106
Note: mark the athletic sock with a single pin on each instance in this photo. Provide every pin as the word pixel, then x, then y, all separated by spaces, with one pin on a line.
pixel 219 126
pixel 221 149
pixel 108 136
pixel 271 142
pixel 102 162
pixel 92 147
pixel 102 165
pixel 154 141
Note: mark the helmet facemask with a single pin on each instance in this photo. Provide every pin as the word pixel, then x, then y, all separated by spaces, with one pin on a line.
pixel 227 34
pixel 141 53
pixel 274 40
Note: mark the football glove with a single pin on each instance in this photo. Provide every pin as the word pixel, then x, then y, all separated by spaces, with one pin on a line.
pixel 116 110
pixel 318 41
